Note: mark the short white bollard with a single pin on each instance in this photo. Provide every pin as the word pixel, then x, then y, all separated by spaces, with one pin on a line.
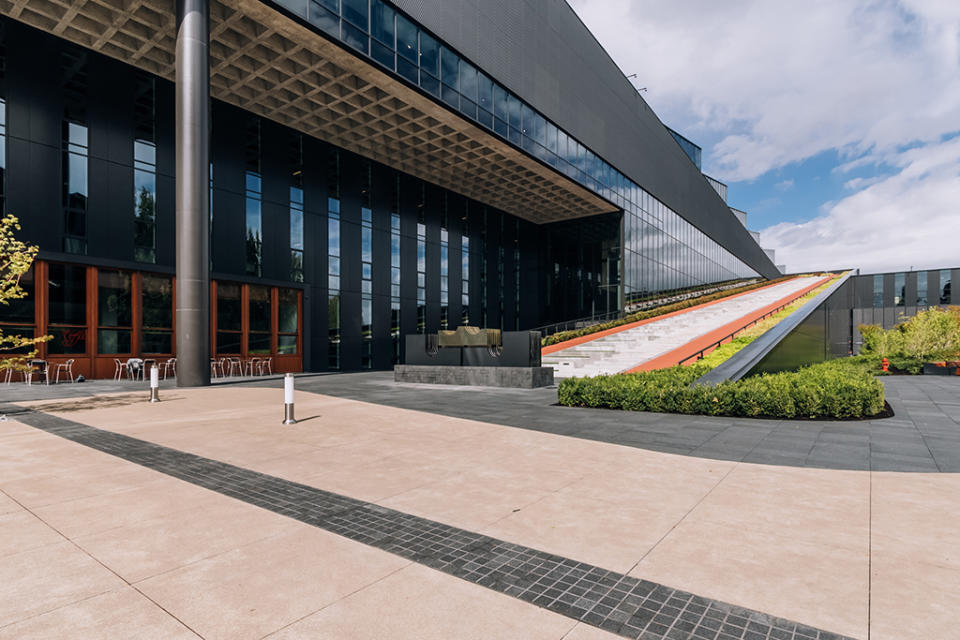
pixel 154 384
pixel 288 400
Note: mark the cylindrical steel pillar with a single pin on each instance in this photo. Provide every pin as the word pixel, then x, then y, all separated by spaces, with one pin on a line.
pixel 193 199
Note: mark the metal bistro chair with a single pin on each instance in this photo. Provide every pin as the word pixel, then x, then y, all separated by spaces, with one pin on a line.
pixel 118 367
pixel 235 364
pixel 145 369
pixel 216 368
pixel 37 368
pixel 8 375
pixel 252 367
pixel 266 367
pixel 170 365
pixel 134 368
pixel 63 366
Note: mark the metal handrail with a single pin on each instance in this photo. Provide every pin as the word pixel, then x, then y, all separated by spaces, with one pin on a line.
pixel 701 353
pixel 644 305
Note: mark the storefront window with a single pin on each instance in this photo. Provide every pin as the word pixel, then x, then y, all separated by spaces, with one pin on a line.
pixel 288 316
pixel 258 339
pixel 157 301
pixel 67 314
pixel 115 311
pixel 229 318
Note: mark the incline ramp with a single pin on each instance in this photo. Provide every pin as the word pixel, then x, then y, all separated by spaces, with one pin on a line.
pixel 619 351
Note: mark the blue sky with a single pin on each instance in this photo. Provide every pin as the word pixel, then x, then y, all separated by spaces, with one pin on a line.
pixel 834 123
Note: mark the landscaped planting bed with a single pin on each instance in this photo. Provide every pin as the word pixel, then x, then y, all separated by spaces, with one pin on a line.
pixel 836 389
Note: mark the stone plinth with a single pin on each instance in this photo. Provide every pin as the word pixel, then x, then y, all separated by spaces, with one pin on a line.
pixel 515 377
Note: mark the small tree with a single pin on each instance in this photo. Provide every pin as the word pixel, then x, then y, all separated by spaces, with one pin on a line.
pixel 15 260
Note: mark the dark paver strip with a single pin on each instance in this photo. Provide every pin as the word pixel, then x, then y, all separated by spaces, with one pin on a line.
pixel 624 605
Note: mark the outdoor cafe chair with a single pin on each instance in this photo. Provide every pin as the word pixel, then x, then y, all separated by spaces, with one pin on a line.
pixel 66 367
pixel 36 368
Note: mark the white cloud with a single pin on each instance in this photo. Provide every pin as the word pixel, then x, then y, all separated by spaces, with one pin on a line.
pixel 903 220
pixel 767 83
pixel 775 82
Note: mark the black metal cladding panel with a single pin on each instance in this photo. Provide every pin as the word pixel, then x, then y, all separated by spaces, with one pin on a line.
pixel 541 51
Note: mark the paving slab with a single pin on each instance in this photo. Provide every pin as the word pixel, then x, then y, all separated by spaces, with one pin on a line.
pixel 39 580
pixel 405 599
pixel 260 587
pixel 783 541
pixel 572 588
pixel 124 613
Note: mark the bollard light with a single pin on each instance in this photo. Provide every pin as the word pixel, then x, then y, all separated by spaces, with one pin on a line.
pixel 288 399
pixel 154 384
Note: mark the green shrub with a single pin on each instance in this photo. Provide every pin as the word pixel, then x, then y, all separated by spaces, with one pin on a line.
pixel 836 389
pixel 934 332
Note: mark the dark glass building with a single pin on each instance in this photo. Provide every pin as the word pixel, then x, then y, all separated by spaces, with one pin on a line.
pixel 375 169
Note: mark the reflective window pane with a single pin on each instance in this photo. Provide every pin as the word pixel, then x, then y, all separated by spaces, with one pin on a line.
pixel 229 311
pixel 429 55
pixel 450 68
pixel 354 37
pixel 406 39
pixel 500 103
pixel 468 81
pixel 113 341
pixel 259 308
pixel 357 12
pixel 287 310
pixel 67 291
pixel 484 92
pixel 287 345
pixel 382 22
pixel 115 299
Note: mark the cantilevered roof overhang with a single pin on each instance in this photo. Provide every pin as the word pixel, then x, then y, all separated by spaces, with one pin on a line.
pixel 268 63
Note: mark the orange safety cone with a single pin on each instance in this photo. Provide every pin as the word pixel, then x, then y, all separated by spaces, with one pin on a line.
pixel 885 364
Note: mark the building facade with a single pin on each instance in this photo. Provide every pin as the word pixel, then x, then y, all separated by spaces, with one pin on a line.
pixel 830 330
pixel 375 169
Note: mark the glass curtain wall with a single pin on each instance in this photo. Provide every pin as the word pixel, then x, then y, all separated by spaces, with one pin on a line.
pixel 296 207
pixel 3 156
pixel 73 78
pixel 366 273
pixel 333 260
pixel 899 289
pixel 114 311
pixel 516 274
pixel 67 308
pixel 156 335
pixel 445 264
pixel 662 251
pixel 229 319
pixel 465 268
pixel 421 264
pixel 145 171
pixel 253 188
pixel 395 327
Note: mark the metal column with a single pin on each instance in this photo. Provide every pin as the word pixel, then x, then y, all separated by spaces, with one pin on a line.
pixel 193 203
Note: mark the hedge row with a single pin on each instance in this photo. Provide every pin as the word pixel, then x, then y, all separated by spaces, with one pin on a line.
pixel 563 336
pixel 835 389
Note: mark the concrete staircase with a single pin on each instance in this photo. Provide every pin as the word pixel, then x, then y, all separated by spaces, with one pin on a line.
pixel 626 349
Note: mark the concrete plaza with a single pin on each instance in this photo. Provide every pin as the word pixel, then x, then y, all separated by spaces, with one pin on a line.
pixel 204 516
